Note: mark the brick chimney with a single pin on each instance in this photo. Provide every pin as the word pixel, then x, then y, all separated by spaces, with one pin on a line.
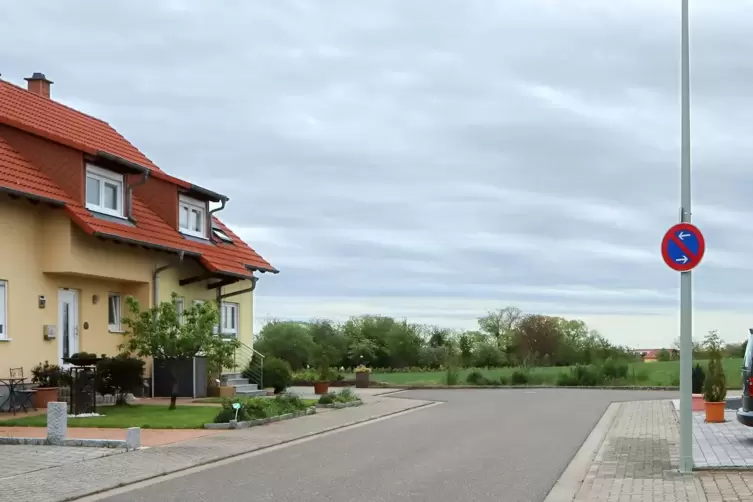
pixel 38 84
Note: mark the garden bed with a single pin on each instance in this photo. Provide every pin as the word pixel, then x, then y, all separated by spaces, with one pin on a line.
pixel 244 424
pixel 338 406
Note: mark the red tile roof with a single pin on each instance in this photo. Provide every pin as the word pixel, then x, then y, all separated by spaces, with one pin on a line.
pixel 43 117
pixel 49 119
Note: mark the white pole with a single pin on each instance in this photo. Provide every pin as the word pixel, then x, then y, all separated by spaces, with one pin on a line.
pixel 686 298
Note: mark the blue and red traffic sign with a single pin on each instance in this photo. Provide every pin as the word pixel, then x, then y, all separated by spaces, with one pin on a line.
pixel 683 247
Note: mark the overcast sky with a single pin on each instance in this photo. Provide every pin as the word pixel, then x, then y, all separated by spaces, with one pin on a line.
pixel 434 159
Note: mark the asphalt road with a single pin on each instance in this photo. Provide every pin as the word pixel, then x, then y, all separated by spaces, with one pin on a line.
pixel 480 445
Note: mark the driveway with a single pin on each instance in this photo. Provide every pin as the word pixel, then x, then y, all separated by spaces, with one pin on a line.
pixel 480 445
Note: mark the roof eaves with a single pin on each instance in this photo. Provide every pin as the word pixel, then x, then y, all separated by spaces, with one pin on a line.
pixel 123 162
pixel 28 195
pixel 254 268
pixel 206 193
pixel 135 242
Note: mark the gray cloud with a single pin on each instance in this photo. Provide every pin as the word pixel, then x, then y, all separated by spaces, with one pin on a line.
pixel 396 156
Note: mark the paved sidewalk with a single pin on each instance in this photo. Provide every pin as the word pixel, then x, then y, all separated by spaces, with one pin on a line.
pixel 83 478
pixel 23 459
pixel 638 459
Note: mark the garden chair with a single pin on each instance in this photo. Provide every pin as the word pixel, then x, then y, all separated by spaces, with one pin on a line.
pixel 22 397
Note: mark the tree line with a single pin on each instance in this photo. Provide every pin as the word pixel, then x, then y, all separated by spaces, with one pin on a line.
pixel 505 337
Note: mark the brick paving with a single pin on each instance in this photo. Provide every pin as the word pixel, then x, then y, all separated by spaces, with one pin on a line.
pixel 638 459
pixel 23 459
pixel 73 480
pixel 725 445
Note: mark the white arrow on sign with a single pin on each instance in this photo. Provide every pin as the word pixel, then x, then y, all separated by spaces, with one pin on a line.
pixel 682 235
pixel 682 260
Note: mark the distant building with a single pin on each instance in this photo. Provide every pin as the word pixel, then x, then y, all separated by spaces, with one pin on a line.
pixel 652 355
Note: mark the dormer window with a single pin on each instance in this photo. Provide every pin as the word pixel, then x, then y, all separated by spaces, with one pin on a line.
pixel 104 191
pixel 192 217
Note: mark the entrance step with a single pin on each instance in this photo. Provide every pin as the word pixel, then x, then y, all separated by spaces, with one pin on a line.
pixel 251 393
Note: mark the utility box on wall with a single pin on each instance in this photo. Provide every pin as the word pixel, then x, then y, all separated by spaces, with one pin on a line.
pixel 50 331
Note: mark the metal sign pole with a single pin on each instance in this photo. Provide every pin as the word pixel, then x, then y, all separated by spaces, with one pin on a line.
pixel 686 299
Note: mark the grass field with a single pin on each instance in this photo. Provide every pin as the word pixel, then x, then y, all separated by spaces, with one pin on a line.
pixel 144 416
pixel 658 374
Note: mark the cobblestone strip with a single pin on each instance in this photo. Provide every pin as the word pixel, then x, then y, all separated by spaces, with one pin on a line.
pixel 72 481
pixel 727 486
pixel 638 459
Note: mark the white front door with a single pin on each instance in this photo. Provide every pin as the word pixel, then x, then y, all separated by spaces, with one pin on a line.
pixel 67 323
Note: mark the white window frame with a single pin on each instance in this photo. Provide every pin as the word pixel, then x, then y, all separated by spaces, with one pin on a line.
pixel 115 328
pixel 4 310
pixel 234 308
pixel 180 306
pixel 109 177
pixel 191 205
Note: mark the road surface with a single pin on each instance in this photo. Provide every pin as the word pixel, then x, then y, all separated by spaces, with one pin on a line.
pixel 479 445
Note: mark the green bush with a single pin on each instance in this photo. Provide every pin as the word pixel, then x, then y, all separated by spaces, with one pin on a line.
pixel 519 377
pixel 259 407
pixel 614 370
pixel 346 395
pixel 277 374
pixel 581 375
pixel 715 386
pixel 119 375
pixel 327 398
pixel 452 374
pixel 475 377
pixel 699 377
pixel 503 380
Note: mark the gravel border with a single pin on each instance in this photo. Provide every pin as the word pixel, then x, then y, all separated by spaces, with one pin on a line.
pixel 260 421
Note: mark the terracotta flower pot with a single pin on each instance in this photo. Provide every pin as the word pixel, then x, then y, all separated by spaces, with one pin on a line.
pixel 321 388
pixel 714 412
pixel 697 402
pixel 44 395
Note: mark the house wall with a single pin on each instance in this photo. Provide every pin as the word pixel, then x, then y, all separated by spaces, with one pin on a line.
pixel 27 247
pixel 169 283
pixel 161 197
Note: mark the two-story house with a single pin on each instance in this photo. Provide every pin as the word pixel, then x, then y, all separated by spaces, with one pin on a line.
pixel 87 219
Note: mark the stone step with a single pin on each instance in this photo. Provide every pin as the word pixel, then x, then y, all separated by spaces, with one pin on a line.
pixel 246 387
pixel 234 382
pixel 228 376
pixel 251 393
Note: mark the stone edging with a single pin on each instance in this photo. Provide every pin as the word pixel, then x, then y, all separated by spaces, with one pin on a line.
pixel 466 387
pixel 260 421
pixel 339 406
pixel 93 443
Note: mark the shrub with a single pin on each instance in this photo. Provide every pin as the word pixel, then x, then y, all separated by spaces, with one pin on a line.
pixel 519 377
pixel 47 375
pixel 259 407
pixel 119 375
pixel 327 398
pixel 452 375
pixel 475 377
pixel 715 386
pixel 582 375
pixel 614 370
pixel 503 380
pixel 699 376
pixel 277 374
pixel 346 395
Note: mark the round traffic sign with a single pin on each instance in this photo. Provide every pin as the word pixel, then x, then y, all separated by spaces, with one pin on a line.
pixel 683 247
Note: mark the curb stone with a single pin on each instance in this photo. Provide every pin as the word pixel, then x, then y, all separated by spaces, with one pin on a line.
pixel 466 387
pixel 339 406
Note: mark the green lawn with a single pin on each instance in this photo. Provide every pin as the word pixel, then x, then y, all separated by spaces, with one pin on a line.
pixel 645 374
pixel 144 416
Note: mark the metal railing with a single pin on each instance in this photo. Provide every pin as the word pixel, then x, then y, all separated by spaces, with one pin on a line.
pixel 250 362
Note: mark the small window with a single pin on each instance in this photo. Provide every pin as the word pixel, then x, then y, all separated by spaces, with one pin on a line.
pixel 3 310
pixel 229 319
pixel 192 217
pixel 220 234
pixel 113 312
pixel 180 307
pixel 104 191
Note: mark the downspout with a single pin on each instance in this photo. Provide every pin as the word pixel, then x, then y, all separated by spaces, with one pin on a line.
pixel 130 193
pixel 223 201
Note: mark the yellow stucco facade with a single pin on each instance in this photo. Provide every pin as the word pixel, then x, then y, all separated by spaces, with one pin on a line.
pixel 44 254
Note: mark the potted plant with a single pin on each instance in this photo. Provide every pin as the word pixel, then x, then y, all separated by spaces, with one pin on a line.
pixel 321 385
pixel 363 376
pixel 699 377
pixel 47 378
pixel 715 386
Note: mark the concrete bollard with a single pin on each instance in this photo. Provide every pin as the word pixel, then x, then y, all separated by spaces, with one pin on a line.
pixel 133 438
pixel 57 422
